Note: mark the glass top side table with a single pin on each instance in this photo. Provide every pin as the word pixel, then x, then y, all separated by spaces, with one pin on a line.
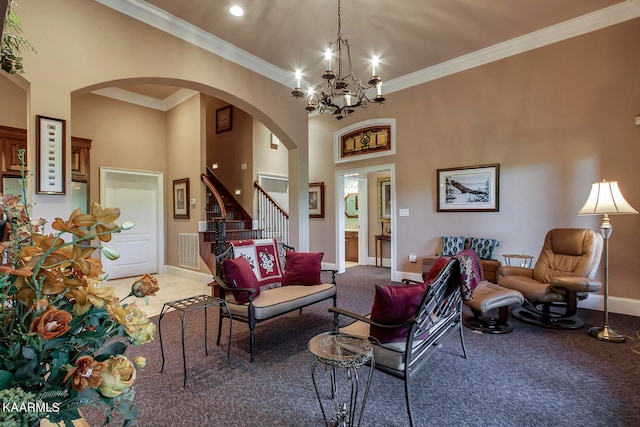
pixel 337 350
pixel 185 306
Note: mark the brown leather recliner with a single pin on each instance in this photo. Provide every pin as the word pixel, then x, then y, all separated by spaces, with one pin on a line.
pixel 563 274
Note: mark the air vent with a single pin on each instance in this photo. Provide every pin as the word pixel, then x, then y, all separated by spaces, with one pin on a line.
pixel 189 251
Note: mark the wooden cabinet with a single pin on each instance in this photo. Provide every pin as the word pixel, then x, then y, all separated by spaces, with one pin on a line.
pixel 80 149
pixel 351 246
pixel 11 141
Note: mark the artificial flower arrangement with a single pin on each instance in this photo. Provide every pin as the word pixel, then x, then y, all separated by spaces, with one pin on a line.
pixel 63 331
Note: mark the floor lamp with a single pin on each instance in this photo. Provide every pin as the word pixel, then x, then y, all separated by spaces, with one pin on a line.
pixel 605 199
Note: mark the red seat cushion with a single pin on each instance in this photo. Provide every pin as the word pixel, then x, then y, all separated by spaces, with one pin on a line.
pixel 302 268
pixel 239 274
pixel 395 305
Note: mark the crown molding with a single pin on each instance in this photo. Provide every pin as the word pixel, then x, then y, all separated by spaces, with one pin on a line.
pixel 178 98
pixel 146 101
pixel 157 18
pixel 584 24
pixel 163 21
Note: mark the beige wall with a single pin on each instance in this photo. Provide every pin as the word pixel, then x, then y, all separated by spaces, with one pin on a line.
pixel 185 132
pixel 265 158
pixel 13 108
pixel 556 119
pixel 123 136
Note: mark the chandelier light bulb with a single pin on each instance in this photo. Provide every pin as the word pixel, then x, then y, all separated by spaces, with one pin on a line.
pixel 298 78
pixel 374 63
pixel 297 92
pixel 327 57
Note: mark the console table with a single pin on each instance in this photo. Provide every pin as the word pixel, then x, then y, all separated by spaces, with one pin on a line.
pixel 185 306
pixel 379 239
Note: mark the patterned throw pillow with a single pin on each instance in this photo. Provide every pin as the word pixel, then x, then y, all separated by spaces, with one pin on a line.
pixel 483 247
pixel 452 245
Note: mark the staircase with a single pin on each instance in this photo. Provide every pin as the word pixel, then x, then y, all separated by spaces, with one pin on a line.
pixel 226 220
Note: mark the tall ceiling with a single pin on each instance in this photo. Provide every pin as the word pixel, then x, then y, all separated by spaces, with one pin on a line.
pixel 411 37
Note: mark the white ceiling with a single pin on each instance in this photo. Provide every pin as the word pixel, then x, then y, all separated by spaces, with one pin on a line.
pixel 416 40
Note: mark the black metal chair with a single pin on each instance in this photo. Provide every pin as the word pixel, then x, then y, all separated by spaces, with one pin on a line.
pixel 438 316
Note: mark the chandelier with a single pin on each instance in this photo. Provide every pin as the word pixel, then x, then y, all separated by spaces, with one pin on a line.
pixel 339 92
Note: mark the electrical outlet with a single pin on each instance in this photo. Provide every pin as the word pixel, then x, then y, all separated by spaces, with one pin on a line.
pixel 637 120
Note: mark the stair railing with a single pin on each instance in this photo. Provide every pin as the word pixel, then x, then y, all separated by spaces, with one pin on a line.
pixel 273 219
pixel 216 217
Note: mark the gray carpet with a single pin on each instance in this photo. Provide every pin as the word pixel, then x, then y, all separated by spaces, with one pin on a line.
pixel 531 377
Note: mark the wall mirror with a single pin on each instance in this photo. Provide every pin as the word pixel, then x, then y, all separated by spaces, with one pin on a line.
pixel 351 205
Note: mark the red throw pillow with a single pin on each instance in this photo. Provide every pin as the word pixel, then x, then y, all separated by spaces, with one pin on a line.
pixel 302 268
pixel 436 268
pixel 394 305
pixel 239 274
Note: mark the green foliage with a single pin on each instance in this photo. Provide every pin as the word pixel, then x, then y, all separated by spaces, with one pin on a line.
pixel 61 324
pixel 13 45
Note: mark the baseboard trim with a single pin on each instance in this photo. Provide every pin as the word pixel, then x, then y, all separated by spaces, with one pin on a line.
pixel 618 305
pixel 196 276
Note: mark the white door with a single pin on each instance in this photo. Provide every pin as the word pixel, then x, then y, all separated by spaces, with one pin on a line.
pixel 138 195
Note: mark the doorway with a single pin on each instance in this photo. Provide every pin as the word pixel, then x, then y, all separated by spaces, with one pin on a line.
pixel 355 218
pixel 139 196
pixel 367 226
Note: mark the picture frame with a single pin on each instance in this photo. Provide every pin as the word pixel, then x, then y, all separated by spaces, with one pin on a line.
pixel 469 189
pixel 181 198
pixel 224 119
pixel 51 155
pixel 367 139
pixel 316 200
pixel 384 199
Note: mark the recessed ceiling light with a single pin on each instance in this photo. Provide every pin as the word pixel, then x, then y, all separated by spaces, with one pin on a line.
pixel 236 10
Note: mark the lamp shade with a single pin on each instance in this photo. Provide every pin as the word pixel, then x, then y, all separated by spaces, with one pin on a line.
pixel 606 198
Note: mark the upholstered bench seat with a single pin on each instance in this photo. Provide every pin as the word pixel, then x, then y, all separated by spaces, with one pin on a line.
pixel 276 301
pixel 392 354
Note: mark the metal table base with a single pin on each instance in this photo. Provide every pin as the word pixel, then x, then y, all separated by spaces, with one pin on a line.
pixel 184 307
pixel 351 355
